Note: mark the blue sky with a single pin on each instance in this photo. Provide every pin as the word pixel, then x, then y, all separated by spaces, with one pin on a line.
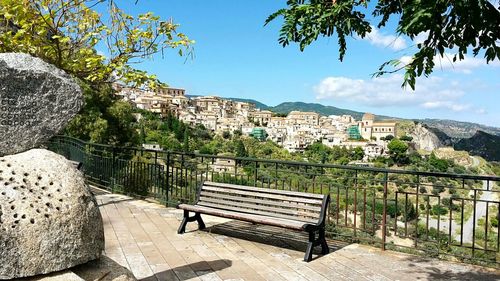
pixel 236 56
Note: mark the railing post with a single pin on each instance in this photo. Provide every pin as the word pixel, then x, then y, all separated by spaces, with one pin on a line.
pixel 88 159
pixel 417 208
pixel 384 218
pixel 355 200
pixel 474 224
pixel 236 171
pixel 276 176
pixel 167 187
pixel 255 174
pixel 113 167
pixel 182 181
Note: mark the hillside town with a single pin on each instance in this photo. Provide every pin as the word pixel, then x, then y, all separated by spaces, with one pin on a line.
pixel 294 132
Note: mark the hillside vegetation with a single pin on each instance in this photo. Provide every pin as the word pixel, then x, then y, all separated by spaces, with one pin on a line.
pixel 482 144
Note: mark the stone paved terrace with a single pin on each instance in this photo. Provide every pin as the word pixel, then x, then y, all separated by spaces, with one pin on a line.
pixel 142 236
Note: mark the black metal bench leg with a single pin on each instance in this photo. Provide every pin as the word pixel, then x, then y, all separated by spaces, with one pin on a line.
pixel 310 247
pixel 201 224
pixel 182 227
pixel 324 247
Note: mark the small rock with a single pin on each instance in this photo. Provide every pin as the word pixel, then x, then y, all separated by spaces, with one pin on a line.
pixel 49 219
pixel 37 100
pixel 103 269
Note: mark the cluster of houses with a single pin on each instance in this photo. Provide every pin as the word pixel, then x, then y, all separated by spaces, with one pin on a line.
pixel 294 132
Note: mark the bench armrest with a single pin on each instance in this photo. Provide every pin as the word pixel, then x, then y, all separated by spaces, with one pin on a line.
pixel 322 216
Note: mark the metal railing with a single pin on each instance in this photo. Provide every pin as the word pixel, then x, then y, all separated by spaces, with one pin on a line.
pixel 436 214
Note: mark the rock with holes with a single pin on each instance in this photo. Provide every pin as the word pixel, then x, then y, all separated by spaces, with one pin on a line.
pixel 49 219
pixel 37 100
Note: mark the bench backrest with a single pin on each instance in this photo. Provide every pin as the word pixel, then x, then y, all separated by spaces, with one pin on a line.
pixel 299 206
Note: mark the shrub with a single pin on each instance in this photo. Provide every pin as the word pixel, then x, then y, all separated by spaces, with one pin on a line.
pixel 406 138
pixel 437 189
pixel 494 222
pixel 446 201
pixel 226 135
pixel 389 137
pixel 440 165
pixel 439 210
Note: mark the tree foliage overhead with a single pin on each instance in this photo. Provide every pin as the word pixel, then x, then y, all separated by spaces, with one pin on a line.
pixel 458 26
pixel 67 33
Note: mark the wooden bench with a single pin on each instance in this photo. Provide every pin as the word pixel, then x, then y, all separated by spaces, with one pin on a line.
pixel 288 209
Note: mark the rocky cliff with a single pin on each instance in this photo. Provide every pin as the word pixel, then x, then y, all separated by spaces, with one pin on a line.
pixel 424 138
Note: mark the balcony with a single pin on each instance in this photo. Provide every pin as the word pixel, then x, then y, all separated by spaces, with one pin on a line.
pixel 141 235
pixel 435 215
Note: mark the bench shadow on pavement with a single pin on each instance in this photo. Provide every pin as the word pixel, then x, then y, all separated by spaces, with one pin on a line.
pixel 190 271
pixel 270 235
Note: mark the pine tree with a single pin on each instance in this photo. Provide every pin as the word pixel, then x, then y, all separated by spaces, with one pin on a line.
pixel 240 149
pixel 143 135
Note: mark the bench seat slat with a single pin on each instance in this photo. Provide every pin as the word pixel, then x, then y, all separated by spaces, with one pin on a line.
pixel 299 215
pixel 256 212
pixel 263 195
pixel 266 190
pixel 291 224
pixel 269 202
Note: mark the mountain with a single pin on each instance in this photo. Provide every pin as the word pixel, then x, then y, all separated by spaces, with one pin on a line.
pixel 482 144
pixel 325 110
pixel 286 107
pixel 258 104
pixel 459 129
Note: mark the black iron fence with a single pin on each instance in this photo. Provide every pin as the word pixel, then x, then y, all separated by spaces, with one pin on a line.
pixel 436 214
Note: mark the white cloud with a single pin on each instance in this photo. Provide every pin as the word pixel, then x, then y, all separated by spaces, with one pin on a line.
pixel 375 37
pixel 420 38
pixel 433 93
pixel 447 105
pixel 481 111
pixel 463 66
pixel 466 65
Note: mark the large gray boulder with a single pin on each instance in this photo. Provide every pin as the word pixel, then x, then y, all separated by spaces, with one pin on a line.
pixel 37 100
pixel 49 219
